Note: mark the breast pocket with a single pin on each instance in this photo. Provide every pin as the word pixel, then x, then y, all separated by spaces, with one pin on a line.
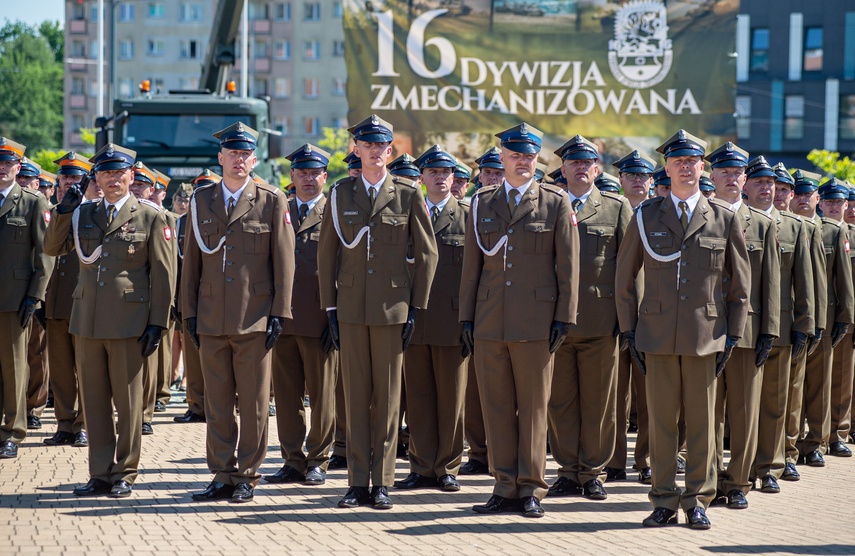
pixel 394 227
pixel 661 245
pixel 787 254
pixel 598 238
pixel 453 248
pixel 90 239
pixel 538 235
pixel 755 254
pixel 711 253
pixel 210 233
pixel 15 230
pixel 256 236
pixel 131 245
pixel 490 231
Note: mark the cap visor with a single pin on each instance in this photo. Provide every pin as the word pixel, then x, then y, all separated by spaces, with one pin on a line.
pixel 308 164
pixel 374 138
pixel 519 147
pixel 112 165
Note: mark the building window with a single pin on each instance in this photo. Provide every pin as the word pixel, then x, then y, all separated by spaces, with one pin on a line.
pixel 282 11
pixel 760 49
pixel 311 126
pixel 259 50
pixel 78 12
pixel 813 49
pixel 93 88
pixel 743 117
pixel 282 123
pixel 259 11
pixel 337 11
pixel 77 121
pixel 282 50
pixel 339 123
pixel 93 12
pixel 847 117
pixel 338 48
pixel 126 11
pixel 313 11
pixel 281 87
pixel 191 11
pixel 78 49
pixel 126 50
pixel 259 86
pixel 339 86
pixel 311 88
pixel 156 9
pixel 78 86
pixel 154 47
pixel 126 87
pixel 93 49
pixel 189 49
pixel 311 50
pixel 794 116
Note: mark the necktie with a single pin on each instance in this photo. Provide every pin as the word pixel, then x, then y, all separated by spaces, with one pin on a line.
pixel 231 207
pixel 512 200
pixel 111 213
pixel 372 194
pixel 304 211
pixel 684 215
pixel 576 204
pixel 434 214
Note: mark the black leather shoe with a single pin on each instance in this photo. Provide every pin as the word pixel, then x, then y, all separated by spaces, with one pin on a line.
pixel 697 518
pixel 414 480
pixel 645 476
pixel 839 449
pixel 814 459
pixel 615 474
pixel 448 483
pixel 380 498
pixel 593 490
pixel 402 452
pixel 95 487
pixel 790 473
pixel 356 496
pixel 147 429
pixel 660 518
pixel 337 462
pixel 33 422
pixel 121 489
pixel 189 417
pixel 498 505
pixel 769 484
pixel 315 477
pixel 564 486
pixel 81 440
pixel 681 465
pixel 531 507
pixel 60 438
pixel 285 475
pixel 159 407
pixel 720 498
pixel 736 500
pixel 8 450
pixel 215 491
pixel 474 467
pixel 243 493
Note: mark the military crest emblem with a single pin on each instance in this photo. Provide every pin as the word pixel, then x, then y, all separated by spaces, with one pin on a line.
pixel 641 54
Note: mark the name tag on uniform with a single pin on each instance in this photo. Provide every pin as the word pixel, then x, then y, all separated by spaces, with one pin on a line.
pixel 87 226
pixel 208 221
pixel 658 234
pixel 487 220
pixel 350 213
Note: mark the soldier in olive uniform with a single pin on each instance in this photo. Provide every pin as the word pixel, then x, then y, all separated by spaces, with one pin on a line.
pixel 796 324
pixel 64 382
pixel 435 364
pixel 121 307
pixel 460 184
pixel 163 358
pixel 683 327
pixel 841 416
pixel 583 401
pixel 24 217
pixel 236 280
pixel 738 388
pixel 519 294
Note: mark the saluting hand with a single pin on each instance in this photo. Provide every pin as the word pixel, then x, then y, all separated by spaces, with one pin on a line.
pixel 73 196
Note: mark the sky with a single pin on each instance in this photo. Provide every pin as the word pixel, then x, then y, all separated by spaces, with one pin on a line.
pixel 32 12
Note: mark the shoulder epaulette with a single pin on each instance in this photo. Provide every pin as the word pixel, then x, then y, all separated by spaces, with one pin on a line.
pixel 650 202
pixel 152 204
pixel 830 221
pixel 33 192
pixel 485 189
pixel 721 204
pixel 205 187
pixel 759 212
pixel 463 203
pixel 269 188
pixel 613 196
pixel 398 180
pixel 553 189
pixel 789 214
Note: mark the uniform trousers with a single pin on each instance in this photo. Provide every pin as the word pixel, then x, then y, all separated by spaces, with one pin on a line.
pixel 111 374
pixel 340 442
pixel 63 377
pixel 795 400
pixel 435 380
pixel 738 399
pixel 193 375
pixel 164 365
pixel 817 398
pixel 150 386
pixel 371 361
pixel 300 365
pixel 674 381
pixel 771 425
pixel 642 440
pixel 630 388
pixel 236 365
pixel 842 374
pixel 13 377
pixel 473 418
pixel 514 382
pixel 582 407
pixel 38 384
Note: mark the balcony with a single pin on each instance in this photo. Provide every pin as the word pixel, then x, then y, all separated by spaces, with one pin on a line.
pixel 77 101
pixel 78 27
pixel 261 27
pixel 262 65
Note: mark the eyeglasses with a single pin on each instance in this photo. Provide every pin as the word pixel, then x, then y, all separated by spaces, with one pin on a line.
pixel 636 177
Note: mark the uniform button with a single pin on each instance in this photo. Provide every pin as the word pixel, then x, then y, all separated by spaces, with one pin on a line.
pixel 100 283
pixel 599 232
pixel 684 263
pixel 751 248
pixel 107 240
pixel 229 279
pixel 297 251
pixel 105 254
pixel 683 280
pixel 724 280
pixel 229 232
pixel 349 221
pixel 62 273
pixel 370 271
pixel 229 247
pixel 371 224
pixel 508 283
pixel 684 247
pixel 510 247
pixel 230 263
pixel 371 256
pixel 658 245
pixel 510 265
pixel 683 297
pixel 62 260
pixel 103 268
pixel 510 230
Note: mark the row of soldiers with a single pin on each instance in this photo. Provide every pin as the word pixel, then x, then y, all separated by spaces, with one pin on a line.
pixel 547 301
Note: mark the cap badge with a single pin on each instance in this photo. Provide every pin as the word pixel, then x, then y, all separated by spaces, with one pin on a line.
pixel 524 129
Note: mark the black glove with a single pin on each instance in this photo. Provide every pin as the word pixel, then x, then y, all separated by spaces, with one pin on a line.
pixel 628 342
pixel 557 332
pixel 274 329
pixel 814 341
pixel 332 317
pixel 326 340
pixel 41 316
pixel 837 332
pixel 191 331
pixel 73 196
pixel 762 349
pixel 722 357
pixel 150 339
pixel 409 326
pixel 468 336
pixel 26 310
pixel 800 342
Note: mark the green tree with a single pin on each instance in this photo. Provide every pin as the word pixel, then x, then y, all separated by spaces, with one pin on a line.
pixel 337 143
pixel 31 85
pixel 832 165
